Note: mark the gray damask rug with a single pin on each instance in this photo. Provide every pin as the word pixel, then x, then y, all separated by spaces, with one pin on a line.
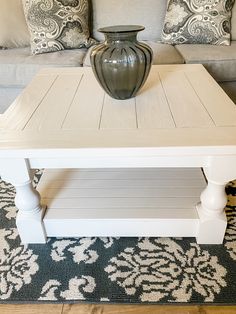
pixel 124 270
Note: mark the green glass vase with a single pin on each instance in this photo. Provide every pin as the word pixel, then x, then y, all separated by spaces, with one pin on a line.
pixel 121 63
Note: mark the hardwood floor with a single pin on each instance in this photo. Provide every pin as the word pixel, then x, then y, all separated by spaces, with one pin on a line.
pixel 112 309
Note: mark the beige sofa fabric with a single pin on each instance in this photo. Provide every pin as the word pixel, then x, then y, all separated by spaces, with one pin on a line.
pixel 149 13
pixel 165 54
pixel 233 23
pixel 18 66
pixel 230 89
pixel 7 96
pixel 13 28
pixel 220 61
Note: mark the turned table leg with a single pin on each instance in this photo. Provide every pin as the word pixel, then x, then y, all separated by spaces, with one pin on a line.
pixel 213 222
pixel 29 218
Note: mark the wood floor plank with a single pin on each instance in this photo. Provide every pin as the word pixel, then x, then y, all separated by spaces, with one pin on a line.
pixel 218 309
pixel 146 309
pixel 112 309
pixel 31 308
pixel 128 309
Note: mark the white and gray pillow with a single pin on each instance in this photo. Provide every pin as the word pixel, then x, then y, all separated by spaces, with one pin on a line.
pixel 197 22
pixel 57 24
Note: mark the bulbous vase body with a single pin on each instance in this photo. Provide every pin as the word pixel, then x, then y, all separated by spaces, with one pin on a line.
pixel 121 63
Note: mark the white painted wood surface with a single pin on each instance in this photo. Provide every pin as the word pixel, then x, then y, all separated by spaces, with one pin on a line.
pixel 181 118
pixel 29 218
pixel 176 102
pixel 100 202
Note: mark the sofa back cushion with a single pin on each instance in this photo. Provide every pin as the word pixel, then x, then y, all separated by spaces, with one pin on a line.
pixel 149 13
pixel 13 28
pixel 233 23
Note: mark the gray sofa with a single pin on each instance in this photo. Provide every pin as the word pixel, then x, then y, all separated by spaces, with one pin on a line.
pixel 18 66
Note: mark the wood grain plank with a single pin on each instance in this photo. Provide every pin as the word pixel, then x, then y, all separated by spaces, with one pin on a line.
pixel 18 114
pixel 152 107
pixel 55 105
pixel 134 214
pixel 119 202
pixel 130 309
pixel 96 184
pixel 214 309
pixel 186 108
pixel 188 140
pixel 63 183
pixel 127 174
pixel 214 98
pixel 118 114
pixel 85 110
pixel 31 308
pixel 78 192
pixel 114 309
pixel 150 171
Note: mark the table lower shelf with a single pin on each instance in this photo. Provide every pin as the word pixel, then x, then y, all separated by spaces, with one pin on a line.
pixel 121 202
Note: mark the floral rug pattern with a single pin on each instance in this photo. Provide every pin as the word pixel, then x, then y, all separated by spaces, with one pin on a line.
pixel 126 270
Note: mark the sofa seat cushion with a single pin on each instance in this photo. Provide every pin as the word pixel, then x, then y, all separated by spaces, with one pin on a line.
pixel 18 65
pixel 230 89
pixel 7 96
pixel 162 54
pixel 220 61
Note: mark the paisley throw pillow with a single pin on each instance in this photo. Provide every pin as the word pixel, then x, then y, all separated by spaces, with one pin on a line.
pixel 197 22
pixel 57 24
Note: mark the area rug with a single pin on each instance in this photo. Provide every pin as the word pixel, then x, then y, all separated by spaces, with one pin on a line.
pixel 115 270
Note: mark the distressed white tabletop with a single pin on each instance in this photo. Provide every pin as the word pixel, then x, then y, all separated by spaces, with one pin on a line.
pixel 180 108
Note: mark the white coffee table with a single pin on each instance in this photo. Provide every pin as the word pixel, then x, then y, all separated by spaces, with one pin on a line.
pixel 121 168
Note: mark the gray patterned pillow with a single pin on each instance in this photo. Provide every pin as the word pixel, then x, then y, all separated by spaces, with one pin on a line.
pixel 197 22
pixel 57 24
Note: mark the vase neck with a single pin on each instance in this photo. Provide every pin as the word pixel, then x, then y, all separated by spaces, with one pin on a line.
pixel 120 33
pixel 117 37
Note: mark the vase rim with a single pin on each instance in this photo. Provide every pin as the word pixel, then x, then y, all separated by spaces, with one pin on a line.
pixel 121 29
